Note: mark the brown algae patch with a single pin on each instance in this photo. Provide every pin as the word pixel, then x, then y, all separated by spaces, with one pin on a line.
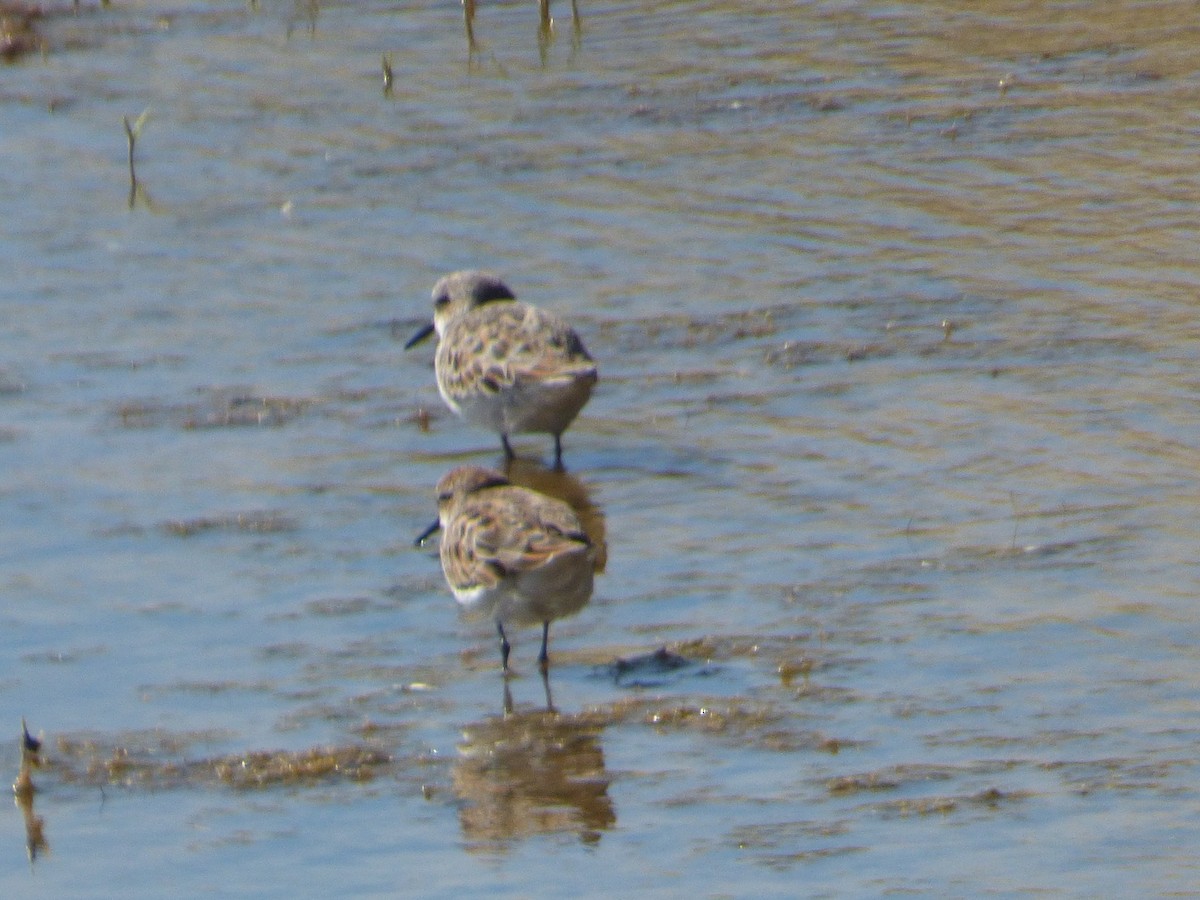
pixel 158 761
pixel 795 658
pixel 242 523
pixel 1086 777
pixel 268 768
pixel 912 777
pixel 989 799
pixel 688 332
pixel 337 607
pixel 756 725
pixel 19 34
pixel 783 844
pixel 224 408
pixel 722 647
pixel 890 779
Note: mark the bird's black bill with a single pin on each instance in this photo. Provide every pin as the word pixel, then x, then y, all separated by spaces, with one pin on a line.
pixel 424 536
pixel 426 331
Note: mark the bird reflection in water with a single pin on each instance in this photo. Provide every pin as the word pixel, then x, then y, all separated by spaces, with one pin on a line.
pixel 545 29
pixel 532 772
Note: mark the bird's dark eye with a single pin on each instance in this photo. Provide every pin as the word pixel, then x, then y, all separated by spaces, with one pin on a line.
pixel 441 300
pixel 443 498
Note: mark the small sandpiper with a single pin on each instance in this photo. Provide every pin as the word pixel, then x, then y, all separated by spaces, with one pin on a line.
pixel 503 364
pixel 514 554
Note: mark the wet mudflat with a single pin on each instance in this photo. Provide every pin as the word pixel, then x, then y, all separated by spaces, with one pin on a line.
pixel 893 450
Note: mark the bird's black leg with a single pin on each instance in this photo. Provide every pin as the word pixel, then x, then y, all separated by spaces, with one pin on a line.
pixel 546 687
pixel 543 656
pixel 558 453
pixel 508 450
pixel 504 647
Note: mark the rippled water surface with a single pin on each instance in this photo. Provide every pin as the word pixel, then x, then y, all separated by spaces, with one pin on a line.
pixel 894 448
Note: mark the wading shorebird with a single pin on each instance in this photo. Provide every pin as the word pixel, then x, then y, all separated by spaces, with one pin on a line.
pixel 506 365
pixel 514 554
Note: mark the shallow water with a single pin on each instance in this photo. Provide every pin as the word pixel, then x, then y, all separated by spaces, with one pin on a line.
pixel 893 449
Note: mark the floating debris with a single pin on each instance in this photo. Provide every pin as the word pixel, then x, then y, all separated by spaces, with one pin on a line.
pixel 647 670
pixel 132 133
pixel 388 78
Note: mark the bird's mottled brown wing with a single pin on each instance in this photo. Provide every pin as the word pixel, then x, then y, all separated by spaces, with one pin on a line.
pixel 532 530
pixel 499 346
pixel 465 567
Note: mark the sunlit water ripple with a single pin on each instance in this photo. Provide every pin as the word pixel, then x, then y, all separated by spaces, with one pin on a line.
pixel 893 449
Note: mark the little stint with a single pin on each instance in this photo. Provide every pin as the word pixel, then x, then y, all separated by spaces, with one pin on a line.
pixel 514 554
pixel 506 365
